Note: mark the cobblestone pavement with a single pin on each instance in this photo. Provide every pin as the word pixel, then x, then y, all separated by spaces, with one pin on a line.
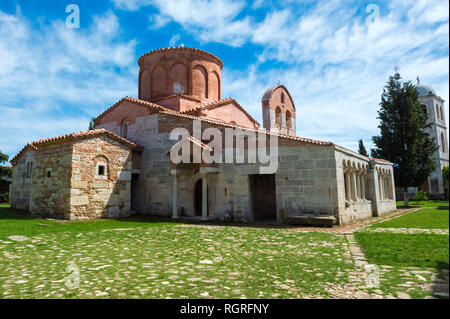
pixel 369 278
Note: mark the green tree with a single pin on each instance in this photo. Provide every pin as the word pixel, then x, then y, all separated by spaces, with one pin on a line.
pixel 445 173
pixel 445 176
pixel 403 139
pixel 362 148
pixel 91 125
pixel 5 171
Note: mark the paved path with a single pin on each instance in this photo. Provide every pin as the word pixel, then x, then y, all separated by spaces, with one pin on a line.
pixel 408 230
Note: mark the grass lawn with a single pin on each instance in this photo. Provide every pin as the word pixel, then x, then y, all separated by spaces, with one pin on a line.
pixel 146 259
pixel 424 218
pixel 429 203
pixel 421 250
pixel 15 223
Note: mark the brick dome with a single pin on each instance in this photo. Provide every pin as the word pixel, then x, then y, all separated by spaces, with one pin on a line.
pixel 179 70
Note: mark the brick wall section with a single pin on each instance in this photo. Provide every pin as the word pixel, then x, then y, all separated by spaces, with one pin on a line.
pixel 94 196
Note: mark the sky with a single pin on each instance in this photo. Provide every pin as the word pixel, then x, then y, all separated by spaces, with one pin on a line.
pixel 333 56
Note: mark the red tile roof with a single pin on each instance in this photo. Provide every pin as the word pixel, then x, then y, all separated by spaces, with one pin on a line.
pixel 168 49
pixel 150 105
pixel 74 136
pixel 218 103
pixel 188 97
pixel 244 128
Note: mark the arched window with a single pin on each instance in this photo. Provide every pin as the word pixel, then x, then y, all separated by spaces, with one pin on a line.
pixel 437 112
pixel 443 143
pixel 442 113
pixel 288 119
pixel 278 116
pixel 124 128
pixel 282 98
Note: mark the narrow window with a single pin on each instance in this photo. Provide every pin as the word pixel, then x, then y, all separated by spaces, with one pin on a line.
pixel 437 112
pixel 124 128
pixel 442 113
pixel 282 98
pixel 101 170
pixel 288 119
pixel 49 174
pixel 443 143
pixel 278 116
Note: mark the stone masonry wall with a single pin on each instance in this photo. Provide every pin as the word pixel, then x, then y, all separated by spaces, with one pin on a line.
pixel 21 183
pixel 92 195
pixel 50 190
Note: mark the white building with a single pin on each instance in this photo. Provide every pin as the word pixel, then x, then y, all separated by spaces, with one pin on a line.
pixel 434 106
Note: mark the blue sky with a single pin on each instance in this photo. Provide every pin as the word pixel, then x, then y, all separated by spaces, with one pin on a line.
pixel 333 56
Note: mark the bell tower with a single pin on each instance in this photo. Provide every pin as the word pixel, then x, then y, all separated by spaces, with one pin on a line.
pixel 433 104
pixel 278 110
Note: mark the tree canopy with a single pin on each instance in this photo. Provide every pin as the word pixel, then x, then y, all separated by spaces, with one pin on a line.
pixel 362 149
pixel 403 138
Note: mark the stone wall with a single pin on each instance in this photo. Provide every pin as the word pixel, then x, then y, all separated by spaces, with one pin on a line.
pixel 21 182
pixel 50 194
pixel 100 196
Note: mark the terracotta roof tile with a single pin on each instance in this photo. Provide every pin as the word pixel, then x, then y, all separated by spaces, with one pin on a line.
pixel 74 136
pixel 218 103
pixel 133 100
pixel 226 124
pixel 198 51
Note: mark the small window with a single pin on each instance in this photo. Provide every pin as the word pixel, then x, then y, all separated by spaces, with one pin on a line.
pixel 101 170
pixel 282 98
pixel 424 108
pixel 49 174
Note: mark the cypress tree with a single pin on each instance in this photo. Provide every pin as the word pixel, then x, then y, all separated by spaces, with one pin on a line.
pixel 403 139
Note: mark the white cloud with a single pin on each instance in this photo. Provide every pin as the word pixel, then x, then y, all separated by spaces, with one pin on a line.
pixel 45 68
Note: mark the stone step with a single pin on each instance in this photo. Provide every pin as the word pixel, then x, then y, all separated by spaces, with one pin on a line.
pixel 312 220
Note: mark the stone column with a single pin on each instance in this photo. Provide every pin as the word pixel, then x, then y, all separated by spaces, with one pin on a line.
pixel 175 194
pixel 204 196
pixel 348 186
pixel 363 186
pixel 354 185
pixel 358 185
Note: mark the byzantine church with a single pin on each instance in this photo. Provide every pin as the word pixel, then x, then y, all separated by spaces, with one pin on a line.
pixel 123 167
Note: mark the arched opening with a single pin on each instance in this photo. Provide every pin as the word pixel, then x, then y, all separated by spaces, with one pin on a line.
pixel 214 86
pixel 159 82
pixel 288 119
pixel 200 82
pixel 124 128
pixel 179 78
pixel 442 113
pixel 282 98
pixel 443 143
pixel 278 116
pixel 438 114
pixel 144 86
pixel 198 195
